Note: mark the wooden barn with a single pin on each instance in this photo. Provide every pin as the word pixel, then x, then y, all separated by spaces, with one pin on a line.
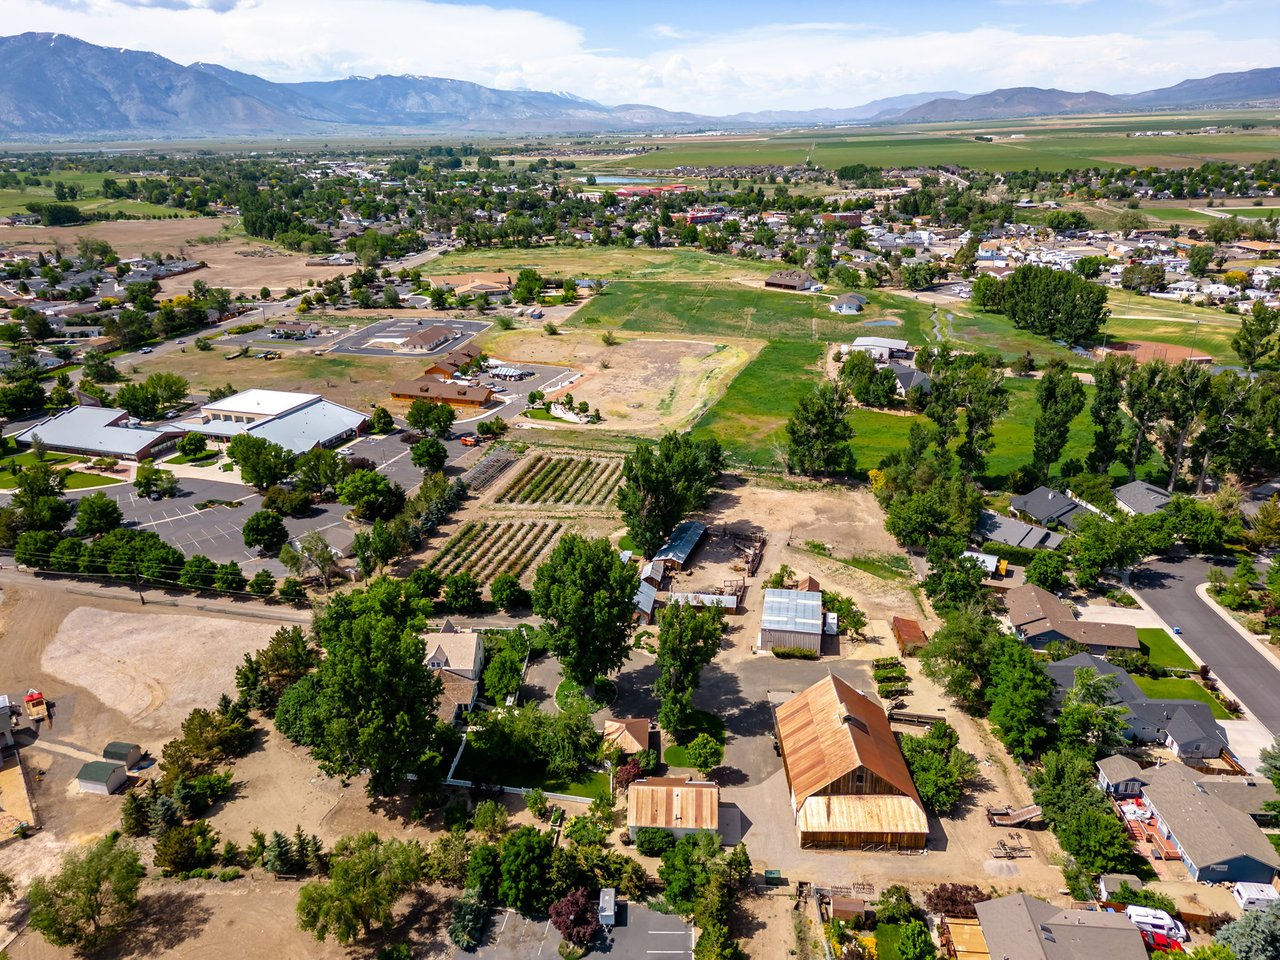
pixel 850 787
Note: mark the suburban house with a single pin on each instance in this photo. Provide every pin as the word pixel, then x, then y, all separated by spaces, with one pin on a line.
pixel 789 280
pixel 1015 533
pixel 849 784
pixel 1122 777
pixel 102 432
pixel 102 777
pixel 1023 927
pixel 1047 507
pixel 883 349
pixel 673 803
pixel 1217 842
pixel 1141 497
pixel 848 304
pixel 910 636
pixel 442 391
pixel 457 656
pixel 684 539
pixel 117 751
pixel 909 378
pixel 630 735
pixel 1039 618
pixel 429 340
pixel 299 422
pixel 1186 727
pixel 791 618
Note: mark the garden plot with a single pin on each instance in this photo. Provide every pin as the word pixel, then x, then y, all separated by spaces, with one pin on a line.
pixel 564 480
pixel 485 548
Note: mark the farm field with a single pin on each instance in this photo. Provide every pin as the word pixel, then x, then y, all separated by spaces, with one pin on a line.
pixel 563 480
pixel 486 548
pixel 1037 147
pixel 607 263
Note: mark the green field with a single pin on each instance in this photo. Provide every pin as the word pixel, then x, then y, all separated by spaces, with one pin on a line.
pixel 1168 321
pixel 1067 144
pixel 607 263
pixel 1176 689
pixel 1162 650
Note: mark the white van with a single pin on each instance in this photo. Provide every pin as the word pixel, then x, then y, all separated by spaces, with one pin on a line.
pixel 1157 921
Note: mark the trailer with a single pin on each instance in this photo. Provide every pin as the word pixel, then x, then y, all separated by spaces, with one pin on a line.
pixel 607 909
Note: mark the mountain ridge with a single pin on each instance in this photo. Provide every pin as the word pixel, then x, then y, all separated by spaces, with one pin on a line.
pixel 56 86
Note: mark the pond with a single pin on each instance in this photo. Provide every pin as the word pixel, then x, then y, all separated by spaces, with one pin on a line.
pixel 882 323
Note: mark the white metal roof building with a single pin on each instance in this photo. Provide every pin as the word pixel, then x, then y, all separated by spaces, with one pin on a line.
pixel 791 618
pixel 101 432
pixel 296 421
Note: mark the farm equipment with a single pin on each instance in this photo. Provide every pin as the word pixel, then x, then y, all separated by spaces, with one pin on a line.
pixel 1006 816
pixel 35 705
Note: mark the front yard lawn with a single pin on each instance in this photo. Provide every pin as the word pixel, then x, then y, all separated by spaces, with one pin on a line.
pixel 475 765
pixel 1172 688
pixel 887 937
pixel 1162 650
pixel 677 756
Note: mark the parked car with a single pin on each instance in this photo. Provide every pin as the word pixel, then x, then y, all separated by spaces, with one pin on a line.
pixel 1156 921
pixel 145 350
pixel 1158 941
pixel 469 440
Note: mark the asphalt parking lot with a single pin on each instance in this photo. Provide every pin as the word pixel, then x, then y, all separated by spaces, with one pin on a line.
pixel 356 342
pixel 641 934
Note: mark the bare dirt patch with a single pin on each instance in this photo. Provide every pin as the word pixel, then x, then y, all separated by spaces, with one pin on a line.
pixel 642 385
pixel 153 668
pixel 226 266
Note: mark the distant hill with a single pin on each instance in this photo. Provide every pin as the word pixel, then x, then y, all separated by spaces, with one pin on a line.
pixel 1013 102
pixel 1251 86
pixel 55 87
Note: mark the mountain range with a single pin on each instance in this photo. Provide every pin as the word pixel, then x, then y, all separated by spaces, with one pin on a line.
pixel 56 87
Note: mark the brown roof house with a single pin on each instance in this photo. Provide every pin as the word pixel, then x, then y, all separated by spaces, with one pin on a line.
pixel 443 391
pixel 850 787
pixel 1022 927
pixel 457 358
pixel 457 656
pixel 630 735
pixel 789 280
pixel 1039 618
pixel 429 340
pixel 673 803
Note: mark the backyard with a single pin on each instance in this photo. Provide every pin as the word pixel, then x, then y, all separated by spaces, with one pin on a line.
pixel 1170 688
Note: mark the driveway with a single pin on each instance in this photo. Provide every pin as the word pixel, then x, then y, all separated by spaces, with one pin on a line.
pixel 1169 588
pixel 640 934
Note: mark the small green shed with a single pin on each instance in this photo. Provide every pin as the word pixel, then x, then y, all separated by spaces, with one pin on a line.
pixel 102 777
pixel 117 751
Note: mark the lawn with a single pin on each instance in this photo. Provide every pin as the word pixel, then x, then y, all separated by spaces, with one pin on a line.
pixel 607 263
pixel 75 480
pixel 204 458
pixel 476 766
pixel 29 458
pixel 887 937
pixel 1177 689
pixel 1162 650
pixel 677 756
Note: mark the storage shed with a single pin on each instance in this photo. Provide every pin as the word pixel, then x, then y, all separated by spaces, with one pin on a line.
pixel 680 545
pixel 791 618
pixel 102 777
pixel 117 751
pixel 910 636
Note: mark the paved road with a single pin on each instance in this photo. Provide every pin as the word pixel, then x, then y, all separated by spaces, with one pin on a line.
pixel 1169 587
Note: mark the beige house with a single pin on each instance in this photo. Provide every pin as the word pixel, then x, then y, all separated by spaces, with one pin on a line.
pixel 629 735
pixel 457 657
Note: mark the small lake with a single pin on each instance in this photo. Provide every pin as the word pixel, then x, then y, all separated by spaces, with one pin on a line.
pixel 881 323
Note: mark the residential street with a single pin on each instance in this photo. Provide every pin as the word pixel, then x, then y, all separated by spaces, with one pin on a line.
pixel 1169 587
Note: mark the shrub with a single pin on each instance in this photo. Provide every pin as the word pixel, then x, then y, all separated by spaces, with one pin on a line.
pixel 654 841
pixel 469 916
pixel 231 873
pixel 536 801
pixel 795 653
pixel 955 899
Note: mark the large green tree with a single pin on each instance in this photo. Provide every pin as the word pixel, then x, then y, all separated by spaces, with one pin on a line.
pixel 370 705
pixel 663 484
pixel 819 432
pixel 320 471
pixel 370 495
pixel 1055 303
pixel 97 514
pixel 688 639
pixel 1061 397
pixel 91 897
pixel 265 530
pixel 585 595
pixel 1144 398
pixel 526 861
pixel 1108 418
pixel 367 877
pixel 39 498
pixel 1187 390
pixel 262 463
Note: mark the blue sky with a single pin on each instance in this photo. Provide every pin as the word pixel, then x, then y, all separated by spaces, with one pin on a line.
pixel 712 57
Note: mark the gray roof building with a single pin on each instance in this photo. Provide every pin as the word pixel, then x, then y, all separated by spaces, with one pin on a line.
pixel 1187 727
pixel 680 545
pixel 1217 842
pixel 101 432
pixel 909 378
pixel 1141 497
pixel 792 618
pixel 1022 927
pixel 1015 533
pixel 1045 505
pixel 645 600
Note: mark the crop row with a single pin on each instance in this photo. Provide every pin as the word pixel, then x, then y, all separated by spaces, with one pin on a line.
pixel 568 480
pixel 488 549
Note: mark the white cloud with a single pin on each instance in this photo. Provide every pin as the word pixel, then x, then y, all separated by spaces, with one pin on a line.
pixel 766 66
